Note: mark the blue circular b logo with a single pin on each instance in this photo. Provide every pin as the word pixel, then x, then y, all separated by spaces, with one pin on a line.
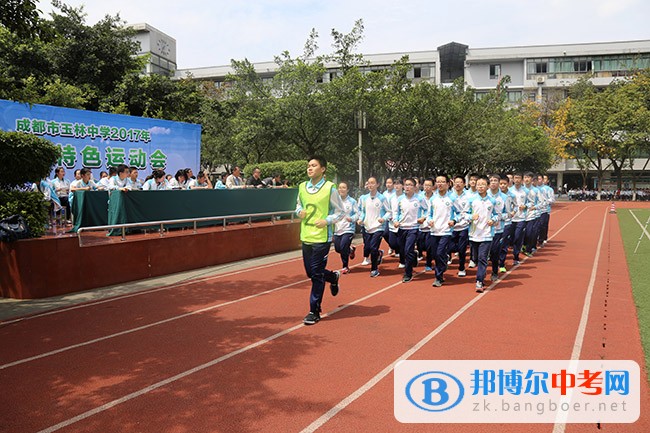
pixel 435 391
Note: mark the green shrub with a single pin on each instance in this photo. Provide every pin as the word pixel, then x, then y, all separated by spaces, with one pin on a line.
pixel 25 158
pixel 292 171
pixel 28 204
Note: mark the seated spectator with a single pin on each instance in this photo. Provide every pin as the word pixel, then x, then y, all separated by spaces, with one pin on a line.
pixel 62 187
pixel 77 174
pixel 179 181
pixel 119 181
pixel 255 181
pixel 104 178
pixel 274 182
pixel 201 182
pixel 156 182
pixel 49 193
pixel 221 183
pixel 83 184
pixel 132 182
pixel 189 174
pixel 235 180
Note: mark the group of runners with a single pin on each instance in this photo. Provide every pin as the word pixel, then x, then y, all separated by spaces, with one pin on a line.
pixel 431 224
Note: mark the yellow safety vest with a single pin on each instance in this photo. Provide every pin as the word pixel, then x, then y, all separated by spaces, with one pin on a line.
pixel 316 206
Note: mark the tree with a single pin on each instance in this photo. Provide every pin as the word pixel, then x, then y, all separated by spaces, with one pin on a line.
pixel 604 127
pixel 581 128
pixel 20 17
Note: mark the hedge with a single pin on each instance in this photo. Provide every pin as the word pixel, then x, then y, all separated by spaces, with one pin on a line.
pixel 25 159
pixel 293 172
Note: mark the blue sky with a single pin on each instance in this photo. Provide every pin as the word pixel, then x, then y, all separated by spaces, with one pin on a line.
pixel 212 32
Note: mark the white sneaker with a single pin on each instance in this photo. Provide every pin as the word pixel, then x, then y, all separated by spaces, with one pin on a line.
pixel 390 252
pixel 401 266
pixel 365 261
pixel 462 273
pixel 471 264
pixel 449 262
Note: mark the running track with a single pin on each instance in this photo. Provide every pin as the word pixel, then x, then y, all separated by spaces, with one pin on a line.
pixel 228 353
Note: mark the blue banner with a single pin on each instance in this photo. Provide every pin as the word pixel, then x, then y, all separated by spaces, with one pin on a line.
pixel 100 140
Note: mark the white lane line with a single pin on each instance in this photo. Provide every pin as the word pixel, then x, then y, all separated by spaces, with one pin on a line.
pixel 201 367
pixel 641 225
pixel 560 420
pixel 150 325
pixel 179 376
pixel 386 371
pixel 140 328
pixel 145 292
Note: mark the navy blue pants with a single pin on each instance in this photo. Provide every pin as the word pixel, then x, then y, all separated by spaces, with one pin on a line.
pixel 393 243
pixel 495 252
pixel 342 246
pixel 314 257
pixel 371 242
pixel 543 227
pixel 482 249
pixel 506 241
pixel 423 239
pixel 532 229
pixel 437 248
pixel 518 231
pixel 407 241
pixel 458 242
pixel 473 253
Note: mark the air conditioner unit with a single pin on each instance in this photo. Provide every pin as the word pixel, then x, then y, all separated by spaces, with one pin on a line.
pixel 541 79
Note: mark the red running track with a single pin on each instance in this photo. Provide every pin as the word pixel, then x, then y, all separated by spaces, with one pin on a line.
pixel 229 353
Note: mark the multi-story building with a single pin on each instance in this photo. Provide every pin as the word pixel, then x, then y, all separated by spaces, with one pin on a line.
pixel 160 47
pixel 540 73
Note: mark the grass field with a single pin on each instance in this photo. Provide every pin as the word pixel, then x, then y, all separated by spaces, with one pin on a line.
pixel 639 265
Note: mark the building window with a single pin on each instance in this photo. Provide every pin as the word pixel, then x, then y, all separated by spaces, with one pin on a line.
pixel 541 68
pixel 582 66
pixel 495 72
pixel 480 95
pixel 514 96
pixel 417 72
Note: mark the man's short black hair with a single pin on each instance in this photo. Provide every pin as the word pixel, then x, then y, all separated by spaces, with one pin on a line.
pixel 321 161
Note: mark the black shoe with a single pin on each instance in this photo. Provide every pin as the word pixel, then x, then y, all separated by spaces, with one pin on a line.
pixel 334 287
pixel 381 257
pixel 406 279
pixel 311 318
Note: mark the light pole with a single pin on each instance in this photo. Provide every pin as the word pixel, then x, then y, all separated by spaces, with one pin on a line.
pixel 361 124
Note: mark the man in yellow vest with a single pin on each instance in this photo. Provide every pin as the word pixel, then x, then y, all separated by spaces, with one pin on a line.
pixel 320 206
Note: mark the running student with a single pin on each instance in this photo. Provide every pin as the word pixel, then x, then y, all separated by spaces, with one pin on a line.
pixel 506 237
pixel 500 201
pixel 460 235
pixel 374 210
pixel 483 215
pixel 393 240
pixel 406 220
pixel 424 229
pixel 518 229
pixel 532 217
pixel 319 205
pixel 441 219
pixel 389 193
pixel 549 199
pixel 345 228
